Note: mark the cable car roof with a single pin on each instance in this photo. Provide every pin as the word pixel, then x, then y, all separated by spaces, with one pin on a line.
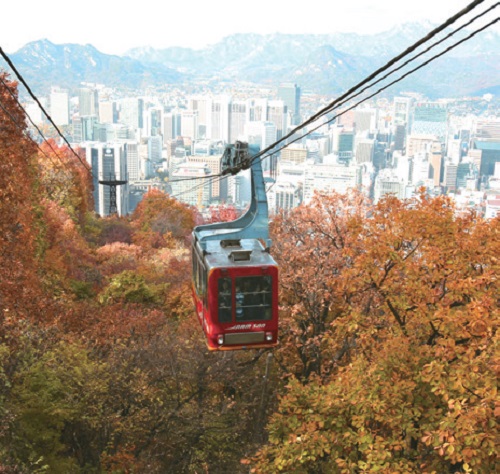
pixel 247 253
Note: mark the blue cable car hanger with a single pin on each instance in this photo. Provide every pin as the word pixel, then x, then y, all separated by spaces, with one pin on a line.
pixel 254 223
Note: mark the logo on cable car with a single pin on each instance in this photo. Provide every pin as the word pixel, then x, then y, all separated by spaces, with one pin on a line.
pixel 242 327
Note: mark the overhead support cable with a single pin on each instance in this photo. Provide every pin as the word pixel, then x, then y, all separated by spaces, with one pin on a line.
pixel 373 75
pixel 35 98
pixel 22 127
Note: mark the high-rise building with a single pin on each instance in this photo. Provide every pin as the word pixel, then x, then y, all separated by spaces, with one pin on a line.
pixel 261 134
pixel 422 143
pixel 202 105
pixel 239 188
pixel 401 114
pixel 108 112
pixel 155 121
pixel 283 195
pixel 430 118
pixel 388 183
pixel 404 168
pixel 59 106
pixel 422 170
pixel 189 124
pixel 256 110
pixel 214 164
pixel 88 101
pixel 108 162
pixel 346 119
pixel 488 153
pixel 195 191
pixel 277 114
pixel 330 177
pixel 237 120
pixel 365 120
pixel 203 148
pixel 155 145
pixel 465 172
pixel 84 128
pixel 171 126
pixel 35 112
pixel 132 112
pixel 290 94
pixel 294 154
pixel 133 161
pixel 450 176
pixel 436 166
pixel 488 129
pixel 365 150
pixel 342 142
pixel 218 126
pixel 399 137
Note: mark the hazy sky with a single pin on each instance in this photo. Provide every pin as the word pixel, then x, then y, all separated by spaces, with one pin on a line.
pixel 114 26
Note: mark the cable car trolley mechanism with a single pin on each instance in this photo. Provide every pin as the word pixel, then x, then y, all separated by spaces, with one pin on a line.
pixel 235 279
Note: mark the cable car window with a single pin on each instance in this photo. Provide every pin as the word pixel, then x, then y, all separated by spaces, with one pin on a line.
pixel 253 298
pixel 225 300
pixel 194 258
pixel 203 279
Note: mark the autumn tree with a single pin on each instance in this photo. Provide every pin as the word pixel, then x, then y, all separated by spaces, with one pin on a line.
pixel 103 366
pixel 222 213
pixel 315 245
pixel 160 221
pixel 408 344
pixel 18 208
pixel 65 179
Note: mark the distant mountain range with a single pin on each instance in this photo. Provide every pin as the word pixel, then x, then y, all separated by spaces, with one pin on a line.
pixel 324 64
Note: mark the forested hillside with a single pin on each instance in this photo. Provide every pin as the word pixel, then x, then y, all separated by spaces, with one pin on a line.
pixel 388 357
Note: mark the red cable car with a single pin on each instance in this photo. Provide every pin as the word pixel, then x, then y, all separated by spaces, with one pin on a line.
pixel 235 279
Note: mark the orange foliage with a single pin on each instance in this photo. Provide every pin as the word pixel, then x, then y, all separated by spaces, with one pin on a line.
pixel 19 285
pixel 67 254
pixel 390 327
pixel 222 213
pixel 160 220
pixel 65 179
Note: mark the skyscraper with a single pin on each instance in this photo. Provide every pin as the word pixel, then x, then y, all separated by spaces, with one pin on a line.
pixel 261 134
pixel 171 126
pixel 401 114
pixel 214 164
pixel 189 124
pixel 430 118
pixel 108 161
pixel 131 112
pixel 277 114
pixel 59 106
pixel 202 105
pixel 342 142
pixel 108 112
pixel 290 94
pixel 218 123
pixel 88 100
pixel 195 191
pixel 237 120
pixel 365 150
pixel 155 121
pixel 256 110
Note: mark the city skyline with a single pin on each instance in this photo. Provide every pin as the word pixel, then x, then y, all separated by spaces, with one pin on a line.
pixel 114 30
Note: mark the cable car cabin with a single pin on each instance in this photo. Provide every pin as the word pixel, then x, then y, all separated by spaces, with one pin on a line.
pixel 235 289
pixel 235 280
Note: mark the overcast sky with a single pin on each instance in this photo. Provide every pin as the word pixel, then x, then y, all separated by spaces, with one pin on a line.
pixel 114 26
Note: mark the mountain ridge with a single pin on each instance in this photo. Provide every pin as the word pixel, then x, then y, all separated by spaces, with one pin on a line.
pixel 324 64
